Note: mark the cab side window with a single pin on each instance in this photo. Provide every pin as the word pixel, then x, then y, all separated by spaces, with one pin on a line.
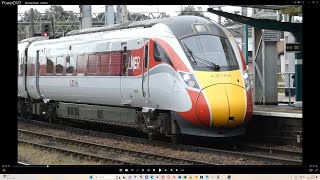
pixel 160 55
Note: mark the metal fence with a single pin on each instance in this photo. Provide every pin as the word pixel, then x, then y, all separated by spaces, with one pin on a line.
pixel 283 79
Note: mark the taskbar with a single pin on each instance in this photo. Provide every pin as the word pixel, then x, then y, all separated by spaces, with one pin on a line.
pixel 154 169
pixel 159 176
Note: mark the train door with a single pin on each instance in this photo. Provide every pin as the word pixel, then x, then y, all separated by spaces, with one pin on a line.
pixel 21 73
pixel 23 80
pixel 33 75
pixel 124 78
pixel 145 71
pixel 37 72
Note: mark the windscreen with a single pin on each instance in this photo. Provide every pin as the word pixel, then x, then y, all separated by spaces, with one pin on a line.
pixel 208 53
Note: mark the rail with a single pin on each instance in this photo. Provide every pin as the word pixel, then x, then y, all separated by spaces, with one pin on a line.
pixel 22 163
pixel 252 155
pixel 107 148
pixel 282 79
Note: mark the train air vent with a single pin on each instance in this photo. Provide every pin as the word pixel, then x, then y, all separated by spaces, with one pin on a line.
pixel 100 114
pixel 71 111
pixel 76 111
pixel 231 118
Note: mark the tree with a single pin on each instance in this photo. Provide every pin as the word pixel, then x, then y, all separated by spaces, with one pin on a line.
pixel 27 15
pixel 137 16
pixel 53 11
pixel 165 15
pixel 191 10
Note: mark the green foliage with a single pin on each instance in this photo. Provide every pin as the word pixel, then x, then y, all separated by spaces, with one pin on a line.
pixel 57 12
pixel 137 16
pixel 27 17
pixel 191 10
pixel 165 15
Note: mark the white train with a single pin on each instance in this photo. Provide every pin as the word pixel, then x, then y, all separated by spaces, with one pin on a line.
pixel 180 75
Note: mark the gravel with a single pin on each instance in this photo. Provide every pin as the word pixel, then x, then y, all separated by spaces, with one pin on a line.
pixel 280 147
pixel 216 159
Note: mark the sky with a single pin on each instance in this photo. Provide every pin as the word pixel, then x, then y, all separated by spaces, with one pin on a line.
pixel 172 10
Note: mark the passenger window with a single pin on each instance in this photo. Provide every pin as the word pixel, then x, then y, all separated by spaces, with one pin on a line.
pixel 43 65
pixel 21 68
pixel 31 69
pixel 69 64
pixel 105 60
pixel 92 64
pixel 20 61
pixel 160 55
pixel 116 64
pixel 59 65
pixel 49 65
pixel 81 64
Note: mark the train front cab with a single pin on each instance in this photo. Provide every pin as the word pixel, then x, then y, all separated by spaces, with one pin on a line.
pixel 222 104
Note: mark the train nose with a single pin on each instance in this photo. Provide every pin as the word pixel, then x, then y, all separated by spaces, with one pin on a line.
pixel 221 105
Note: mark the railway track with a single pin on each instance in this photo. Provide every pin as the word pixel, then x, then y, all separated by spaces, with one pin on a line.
pixel 71 142
pixel 247 154
pixel 75 153
pixel 251 155
pixel 22 163
pixel 295 140
pixel 269 150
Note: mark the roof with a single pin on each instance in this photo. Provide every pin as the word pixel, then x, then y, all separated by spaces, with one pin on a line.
pixel 133 24
pixel 236 30
pixel 181 26
pixel 283 9
pixel 274 7
pixel 33 39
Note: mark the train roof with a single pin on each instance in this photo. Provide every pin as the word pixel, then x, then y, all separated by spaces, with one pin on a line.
pixel 134 24
pixel 33 39
pixel 179 25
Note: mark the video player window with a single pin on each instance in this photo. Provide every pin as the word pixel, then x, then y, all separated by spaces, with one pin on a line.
pixel 212 86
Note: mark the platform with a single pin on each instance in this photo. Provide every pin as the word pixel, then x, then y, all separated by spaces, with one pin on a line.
pixel 281 110
pixel 279 123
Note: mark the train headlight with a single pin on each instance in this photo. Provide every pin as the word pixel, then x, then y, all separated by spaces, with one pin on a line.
pixel 186 77
pixel 246 79
pixel 189 79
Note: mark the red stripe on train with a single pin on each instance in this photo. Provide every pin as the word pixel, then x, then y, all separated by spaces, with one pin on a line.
pixel 178 64
pixel 190 115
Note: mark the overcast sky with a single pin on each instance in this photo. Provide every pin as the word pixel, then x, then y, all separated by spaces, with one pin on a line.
pixel 169 9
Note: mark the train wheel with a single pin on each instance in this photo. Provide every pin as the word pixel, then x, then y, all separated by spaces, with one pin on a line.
pixel 150 136
pixel 29 111
pixel 30 116
pixel 50 114
pixel 176 139
pixel 24 113
pixel 50 119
